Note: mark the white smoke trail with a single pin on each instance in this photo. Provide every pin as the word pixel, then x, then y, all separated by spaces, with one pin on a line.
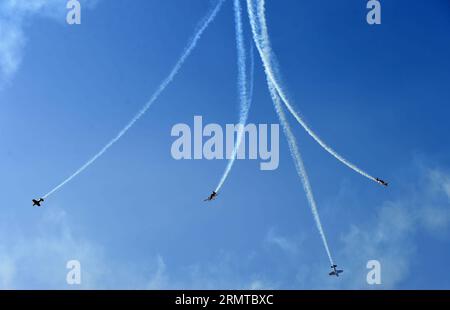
pixel 299 165
pixel 245 92
pixel 188 50
pixel 262 41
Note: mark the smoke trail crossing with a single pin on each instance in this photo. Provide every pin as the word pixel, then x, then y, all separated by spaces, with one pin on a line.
pixel 299 165
pixel 188 50
pixel 262 41
pixel 245 92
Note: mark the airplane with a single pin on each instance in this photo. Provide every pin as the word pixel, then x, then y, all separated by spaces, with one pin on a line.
pixel 335 272
pixel 211 197
pixel 382 182
pixel 37 202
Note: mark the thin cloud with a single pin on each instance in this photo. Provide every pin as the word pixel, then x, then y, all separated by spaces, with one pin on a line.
pixel 39 260
pixel 389 236
pixel 283 243
pixel 12 42
pixel 159 279
pixel 15 16
pixel 391 233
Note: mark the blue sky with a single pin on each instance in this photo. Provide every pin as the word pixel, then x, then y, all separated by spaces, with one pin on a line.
pixel 135 219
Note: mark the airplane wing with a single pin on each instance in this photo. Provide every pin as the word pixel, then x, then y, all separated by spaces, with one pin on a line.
pixel 332 273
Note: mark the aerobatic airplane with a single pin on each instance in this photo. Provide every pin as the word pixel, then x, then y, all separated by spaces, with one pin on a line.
pixel 335 272
pixel 37 202
pixel 380 181
pixel 211 197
